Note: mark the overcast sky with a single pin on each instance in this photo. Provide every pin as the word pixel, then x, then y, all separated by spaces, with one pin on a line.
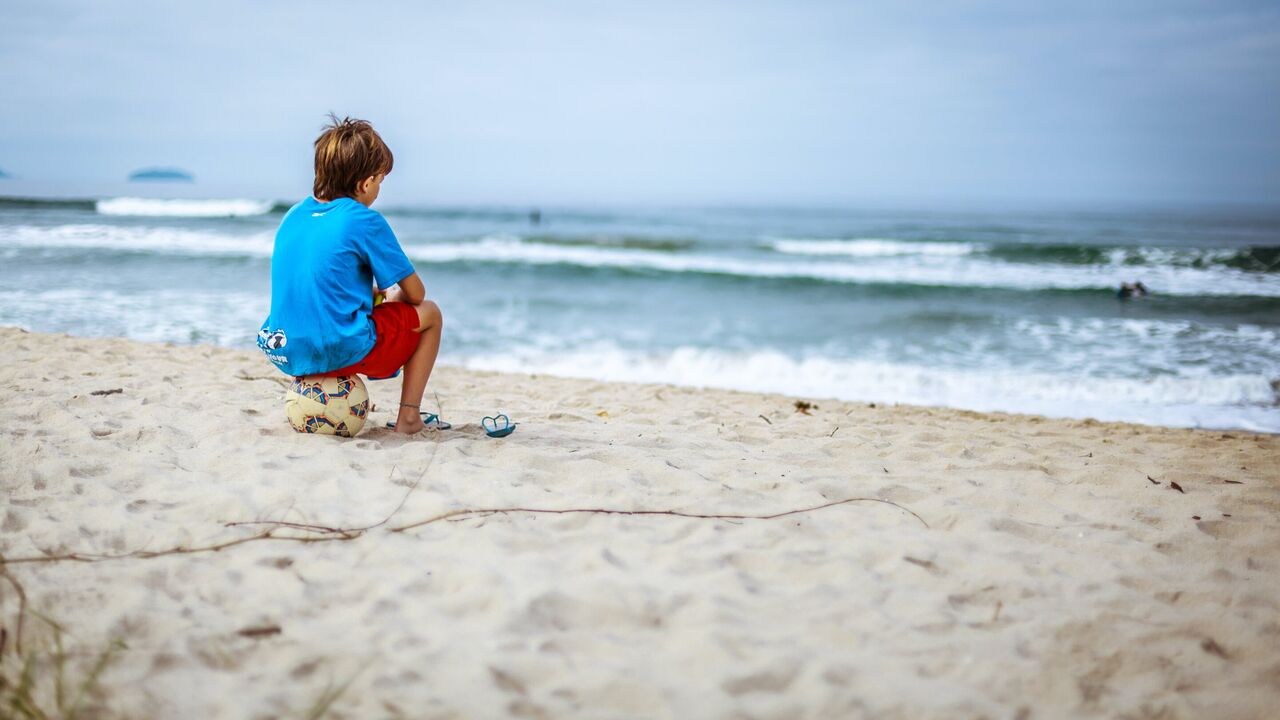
pixel 690 102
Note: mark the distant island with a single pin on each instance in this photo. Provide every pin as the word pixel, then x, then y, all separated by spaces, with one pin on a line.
pixel 161 174
pixel 3 174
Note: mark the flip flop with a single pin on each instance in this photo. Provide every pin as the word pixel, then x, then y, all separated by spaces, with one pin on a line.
pixel 491 428
pixel 428 419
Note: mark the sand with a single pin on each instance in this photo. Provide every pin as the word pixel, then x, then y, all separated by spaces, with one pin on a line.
pixel 1030 568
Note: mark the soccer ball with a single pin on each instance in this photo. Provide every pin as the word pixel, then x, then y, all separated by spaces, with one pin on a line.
pixel 327 405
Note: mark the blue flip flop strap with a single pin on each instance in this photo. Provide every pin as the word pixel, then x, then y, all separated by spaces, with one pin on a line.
pixel 490 425
pixel 427 419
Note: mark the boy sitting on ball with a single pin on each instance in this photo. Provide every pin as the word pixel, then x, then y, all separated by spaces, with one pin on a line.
pixel 331 250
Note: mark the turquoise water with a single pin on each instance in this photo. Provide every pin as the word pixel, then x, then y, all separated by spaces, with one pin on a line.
pixel 1011 310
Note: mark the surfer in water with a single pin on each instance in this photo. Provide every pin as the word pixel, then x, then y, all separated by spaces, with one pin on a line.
pixel 1131 290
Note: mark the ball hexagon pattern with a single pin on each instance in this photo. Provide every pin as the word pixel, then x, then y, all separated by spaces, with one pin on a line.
pixel 327 405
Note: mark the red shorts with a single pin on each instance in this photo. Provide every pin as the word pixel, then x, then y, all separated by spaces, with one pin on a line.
pixel 395 328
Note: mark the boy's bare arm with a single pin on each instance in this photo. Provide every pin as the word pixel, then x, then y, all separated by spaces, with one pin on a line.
pixel 408 290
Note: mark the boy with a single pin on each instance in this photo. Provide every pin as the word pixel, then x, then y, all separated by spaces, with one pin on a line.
pixel 331 250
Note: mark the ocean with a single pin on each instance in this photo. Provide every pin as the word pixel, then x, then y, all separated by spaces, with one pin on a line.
pixel 1012 310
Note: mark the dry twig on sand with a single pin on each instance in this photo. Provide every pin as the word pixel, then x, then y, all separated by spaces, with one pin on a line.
pixel 331 534
pixel 674 513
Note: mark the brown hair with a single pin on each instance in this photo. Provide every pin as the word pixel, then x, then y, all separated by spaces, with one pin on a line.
pixel 347 152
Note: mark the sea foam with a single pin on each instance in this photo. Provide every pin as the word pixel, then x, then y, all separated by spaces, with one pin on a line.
pixel 868 247
pixel 151 207
pixel 175 241
pixel 1185 399
pixel 931 270
pixel 946 270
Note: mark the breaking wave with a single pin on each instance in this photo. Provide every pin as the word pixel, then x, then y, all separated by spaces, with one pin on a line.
pixel 163 240
pixel 1185 399
pixel 937 270
pixel 868 247
pixel 975 270
pixel 151 207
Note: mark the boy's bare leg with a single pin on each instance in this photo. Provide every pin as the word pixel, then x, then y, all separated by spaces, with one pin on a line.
pixel 418 370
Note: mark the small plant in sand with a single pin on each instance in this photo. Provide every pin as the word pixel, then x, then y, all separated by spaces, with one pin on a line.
pixel 45 680
pixel 324 703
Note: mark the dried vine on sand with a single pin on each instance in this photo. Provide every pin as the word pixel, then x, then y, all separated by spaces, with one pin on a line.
pixel 323 533
pixel 675 513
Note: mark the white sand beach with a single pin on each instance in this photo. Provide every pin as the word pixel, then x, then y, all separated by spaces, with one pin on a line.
pixel 1022 568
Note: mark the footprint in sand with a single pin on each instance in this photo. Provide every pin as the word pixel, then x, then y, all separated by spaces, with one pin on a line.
pixel 774 680
pixel 87 471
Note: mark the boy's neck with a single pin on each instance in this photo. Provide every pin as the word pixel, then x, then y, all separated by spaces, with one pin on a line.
pixel 327 200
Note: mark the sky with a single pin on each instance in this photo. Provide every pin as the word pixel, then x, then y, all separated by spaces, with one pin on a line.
pixel 672 103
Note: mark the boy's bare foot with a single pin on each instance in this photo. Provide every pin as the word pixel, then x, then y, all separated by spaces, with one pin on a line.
pixel 409 421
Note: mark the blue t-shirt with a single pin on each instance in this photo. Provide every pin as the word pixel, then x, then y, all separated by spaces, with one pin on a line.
pixel 326 258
